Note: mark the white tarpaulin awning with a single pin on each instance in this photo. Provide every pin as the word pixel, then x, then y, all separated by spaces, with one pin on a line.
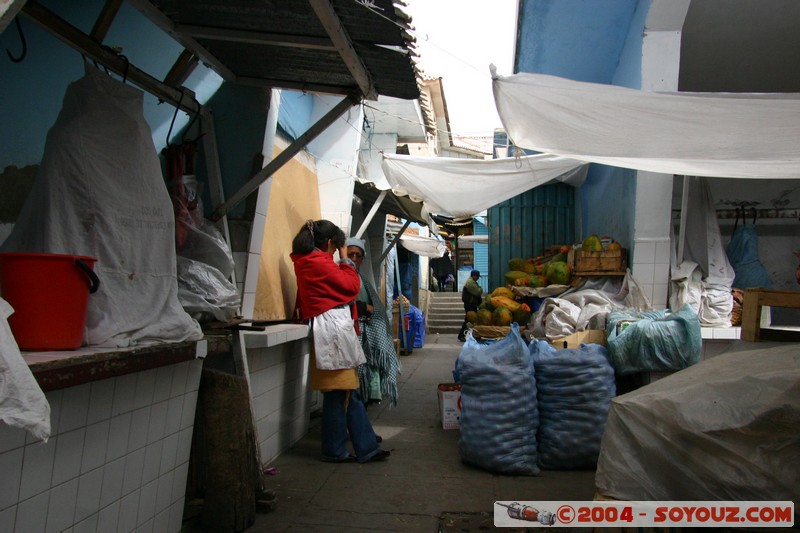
pixel 696 134
pixel 425 246
pixel 461 188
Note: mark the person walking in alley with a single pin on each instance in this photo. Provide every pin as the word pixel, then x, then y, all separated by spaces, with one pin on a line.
pixel 326 293
pixel 471 295
pixel 379 376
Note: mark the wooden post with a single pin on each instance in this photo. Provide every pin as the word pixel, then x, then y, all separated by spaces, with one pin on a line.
pixel 232 471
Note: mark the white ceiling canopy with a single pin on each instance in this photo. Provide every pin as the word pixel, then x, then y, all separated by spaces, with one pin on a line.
pixel 461 188
pixel 697 134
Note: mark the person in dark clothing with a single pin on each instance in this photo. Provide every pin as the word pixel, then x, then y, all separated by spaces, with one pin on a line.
pixel 471 295
pixel 442 268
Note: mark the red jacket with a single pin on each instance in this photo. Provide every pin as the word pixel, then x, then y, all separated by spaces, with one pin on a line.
pixel 323 284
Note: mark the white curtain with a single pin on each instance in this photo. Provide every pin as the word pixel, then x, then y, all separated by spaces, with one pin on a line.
pixel 461 188
pixel 708 134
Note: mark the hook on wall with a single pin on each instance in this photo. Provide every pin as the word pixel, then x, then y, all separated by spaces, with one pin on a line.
pixel 24 44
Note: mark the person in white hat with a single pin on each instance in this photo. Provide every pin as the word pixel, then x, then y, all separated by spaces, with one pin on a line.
pixel 379 376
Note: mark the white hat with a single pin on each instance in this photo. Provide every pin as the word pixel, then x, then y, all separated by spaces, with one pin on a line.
pixel 355 241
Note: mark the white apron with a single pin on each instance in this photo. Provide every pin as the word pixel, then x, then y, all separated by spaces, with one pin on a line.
pixel 335 340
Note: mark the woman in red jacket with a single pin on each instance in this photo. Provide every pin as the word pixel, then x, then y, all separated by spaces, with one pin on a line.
pixel 326 293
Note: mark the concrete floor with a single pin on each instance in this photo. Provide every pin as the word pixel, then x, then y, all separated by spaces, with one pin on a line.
pixel 422 487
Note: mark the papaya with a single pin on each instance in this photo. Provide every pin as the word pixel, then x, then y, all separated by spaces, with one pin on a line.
pixel 512 275
pixel 592 243
pixel 502 316
pixel 522 315
pixel 522 281
pixel 520 264
pixel 472 317
pixel 508 303
pixel 487 304
pixel 484 317
pixel 503 291
pixel 559 273
pixel 537 281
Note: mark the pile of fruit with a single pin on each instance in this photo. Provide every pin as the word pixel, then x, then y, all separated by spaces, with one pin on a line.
pixel 499 308
pixel 540 271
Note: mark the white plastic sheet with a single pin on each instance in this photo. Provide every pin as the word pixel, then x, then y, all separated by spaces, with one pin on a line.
pixel 708 289
pixel 723 135
pixel 723 429
pixel 22 402
pixel 424 246
pixel 100 193
pixel 461 188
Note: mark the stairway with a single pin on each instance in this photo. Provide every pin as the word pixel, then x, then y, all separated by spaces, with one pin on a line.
pixel 445 313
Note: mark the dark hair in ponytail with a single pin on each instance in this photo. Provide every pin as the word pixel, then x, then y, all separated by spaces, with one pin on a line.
pixel 315 234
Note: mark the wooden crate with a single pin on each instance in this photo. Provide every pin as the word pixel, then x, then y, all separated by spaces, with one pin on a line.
pixel 605 263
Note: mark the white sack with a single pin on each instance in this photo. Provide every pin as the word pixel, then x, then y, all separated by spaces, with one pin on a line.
pixel 461 188
pixel 723 135
pixel 22 402
pixel 100 192
pixel 723 429
pixel 587 306
pixel 702 247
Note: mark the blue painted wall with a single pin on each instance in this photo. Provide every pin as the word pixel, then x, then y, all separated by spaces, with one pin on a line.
pixel 598 41
pixel 33 90
pixel 575 39
pixel 294 117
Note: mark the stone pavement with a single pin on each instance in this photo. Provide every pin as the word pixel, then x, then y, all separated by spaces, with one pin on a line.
pixel 422 487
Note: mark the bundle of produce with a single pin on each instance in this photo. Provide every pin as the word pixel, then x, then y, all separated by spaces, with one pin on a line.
pixel 540 271
pixel 499 415
pixel 575 387
pixel 500 308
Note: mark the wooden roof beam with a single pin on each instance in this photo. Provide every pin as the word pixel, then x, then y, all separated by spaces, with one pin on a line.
pixel 285 156
pixel 255 37
pixel 104 20
pixel 344 45
pixel 87 46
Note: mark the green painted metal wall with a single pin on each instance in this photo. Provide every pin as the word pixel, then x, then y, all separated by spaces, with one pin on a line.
pixel 525 224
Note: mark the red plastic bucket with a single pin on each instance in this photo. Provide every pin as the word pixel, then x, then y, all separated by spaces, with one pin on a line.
pixel 49 294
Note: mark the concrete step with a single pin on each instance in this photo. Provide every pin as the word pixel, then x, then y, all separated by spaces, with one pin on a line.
pixel 445 313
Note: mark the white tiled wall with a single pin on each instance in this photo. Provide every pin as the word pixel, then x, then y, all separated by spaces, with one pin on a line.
pixel 278 363
pixel 651 269
pixel 117 459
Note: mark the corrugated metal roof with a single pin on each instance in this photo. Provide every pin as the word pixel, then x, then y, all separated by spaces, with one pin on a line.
pixel 288 44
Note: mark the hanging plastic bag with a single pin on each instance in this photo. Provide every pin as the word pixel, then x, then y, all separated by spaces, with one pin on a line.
pixel 742 252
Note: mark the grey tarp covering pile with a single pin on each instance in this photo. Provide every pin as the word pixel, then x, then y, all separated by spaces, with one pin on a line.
pixel 724 429
pixel 100 192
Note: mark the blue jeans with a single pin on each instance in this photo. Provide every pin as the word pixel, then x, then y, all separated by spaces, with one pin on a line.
pixel 338 427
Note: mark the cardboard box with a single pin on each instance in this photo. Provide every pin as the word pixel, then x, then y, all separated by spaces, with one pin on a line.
pixel 590 336
pixel 450 405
